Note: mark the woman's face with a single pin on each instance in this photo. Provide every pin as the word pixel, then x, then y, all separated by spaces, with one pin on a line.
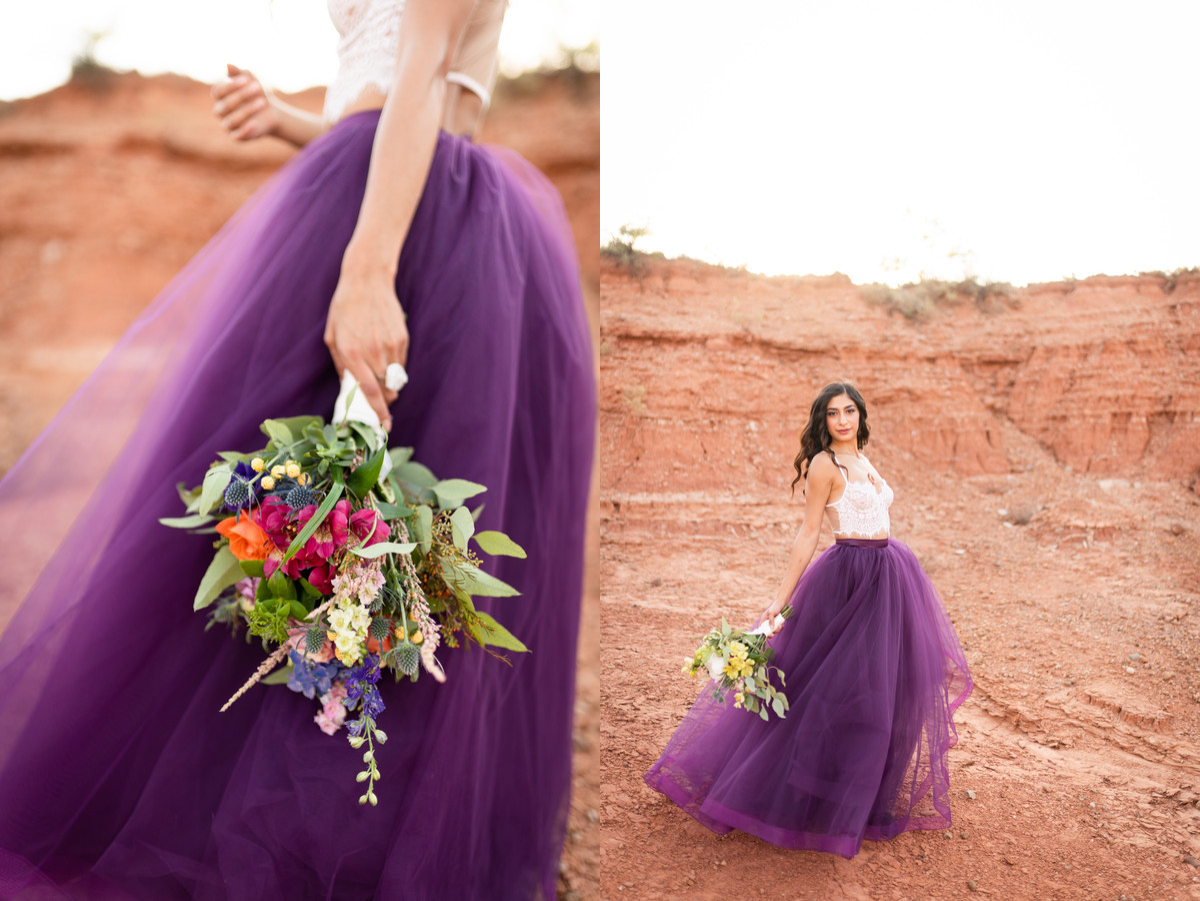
pixel 841 418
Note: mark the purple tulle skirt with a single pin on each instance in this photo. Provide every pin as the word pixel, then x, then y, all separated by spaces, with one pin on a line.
pixel 118 776
pixel 874 673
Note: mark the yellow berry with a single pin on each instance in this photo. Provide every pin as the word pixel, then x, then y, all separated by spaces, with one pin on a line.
pixel 293 469
pixel 258 464
pixel 416 637
pixel 268 483
pixel 277 472
pixel 304 478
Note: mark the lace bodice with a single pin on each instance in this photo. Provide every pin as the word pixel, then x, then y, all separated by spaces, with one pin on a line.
pixel 370 34
pixel 861 511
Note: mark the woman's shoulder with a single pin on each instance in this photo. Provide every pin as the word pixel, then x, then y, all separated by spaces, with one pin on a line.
pixel 822 467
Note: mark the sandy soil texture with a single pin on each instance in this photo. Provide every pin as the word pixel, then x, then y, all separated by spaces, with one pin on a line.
pixel 110 184
pixel 1043 451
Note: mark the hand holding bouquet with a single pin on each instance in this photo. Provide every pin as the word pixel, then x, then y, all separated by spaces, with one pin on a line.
pixel 346 559
pixel 739 662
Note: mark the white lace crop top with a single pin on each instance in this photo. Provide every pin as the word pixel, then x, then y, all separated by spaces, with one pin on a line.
pixel 861 511
pixel 370 34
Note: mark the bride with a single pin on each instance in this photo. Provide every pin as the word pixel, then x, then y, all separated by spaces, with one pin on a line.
pixel 389 240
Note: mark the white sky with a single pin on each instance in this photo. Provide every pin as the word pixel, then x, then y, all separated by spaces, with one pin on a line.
pixel 289 43
pixel 875 138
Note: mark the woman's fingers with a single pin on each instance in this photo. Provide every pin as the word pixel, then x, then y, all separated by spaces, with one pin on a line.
pixel 242 114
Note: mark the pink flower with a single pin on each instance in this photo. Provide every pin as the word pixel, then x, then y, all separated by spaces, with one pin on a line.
pixel 362 523
pixel 321 578
pixel 333 712
pixel 274 517
pixel 329 537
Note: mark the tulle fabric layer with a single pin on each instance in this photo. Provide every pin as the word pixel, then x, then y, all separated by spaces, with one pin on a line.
pixel 118 776
pixel 874 672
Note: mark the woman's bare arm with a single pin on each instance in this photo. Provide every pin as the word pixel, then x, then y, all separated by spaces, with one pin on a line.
pixel 248 111
pixel 365 330
pixel 818 486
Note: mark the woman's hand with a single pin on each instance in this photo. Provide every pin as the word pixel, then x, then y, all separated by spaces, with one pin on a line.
pixel 365 332
pixel 246 109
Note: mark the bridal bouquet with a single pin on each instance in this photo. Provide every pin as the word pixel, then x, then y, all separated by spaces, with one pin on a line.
pixel 739 662
pixel 346 558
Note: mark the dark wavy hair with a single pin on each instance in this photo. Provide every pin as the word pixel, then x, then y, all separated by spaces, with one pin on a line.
pixel 816 438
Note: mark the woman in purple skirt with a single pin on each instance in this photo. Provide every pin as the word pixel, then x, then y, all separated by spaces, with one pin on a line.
pixel 390 240
pixel 873 668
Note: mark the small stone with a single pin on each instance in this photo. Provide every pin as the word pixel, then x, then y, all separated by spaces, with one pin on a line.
pixel 948 834
pixel 964 834
pixel 1130 670
pixel 1191 861
pixel 973 885
pixel 655 582
pixel 1135 657
pixel 592 816
pixel 970 794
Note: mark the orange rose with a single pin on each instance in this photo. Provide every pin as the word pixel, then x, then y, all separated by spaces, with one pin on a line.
pixel 246 540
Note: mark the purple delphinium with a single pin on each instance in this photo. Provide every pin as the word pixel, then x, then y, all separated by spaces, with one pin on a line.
pixel 360 686
pixel 311 679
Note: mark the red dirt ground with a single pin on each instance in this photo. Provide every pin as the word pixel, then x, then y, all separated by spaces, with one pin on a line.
pixel 110 185
pixel 1044 452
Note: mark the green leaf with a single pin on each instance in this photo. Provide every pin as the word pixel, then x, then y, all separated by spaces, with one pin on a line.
pixel 313 524
pixel 309 590
pixel 394 511
pixel 423 528
pixel 216 480
pixel 492 633
pixel 252 568
pixel 279 677
pixel 187 522
pixel 367 437
pixel 762 712
pixel 364 476
pixel 452 492
pixel 475 581
pixel 383 547
pixel 777 706
pixel 277 432
pixel 298 425
pixel 189 496
pixel 499 545
pixel 462 527
pixel 222 572
pixel 400 455
pixel 299 611
pixel 281 586
pixel 414 474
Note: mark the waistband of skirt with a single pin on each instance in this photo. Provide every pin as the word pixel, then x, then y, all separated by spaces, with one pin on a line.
pixel 862 542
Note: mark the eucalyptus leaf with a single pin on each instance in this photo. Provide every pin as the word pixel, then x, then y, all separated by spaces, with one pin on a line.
pixel 252 568
pixel 414 475
pixel 299 425
pixel 394 511
pixel 499 545
pixel 278 432
pixel 187 522
pixel 400 455
pixel 452 492
pixel 777 706
pixel 279 677
pixel 423 528
pixel 231 456
pixel 492 633
pixel 212 493
pixel 462 527
pixel 383 547
pixel 222 572
pixel 310 528
pixel 475 581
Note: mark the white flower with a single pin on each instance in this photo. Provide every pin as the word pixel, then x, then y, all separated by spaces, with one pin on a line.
pixel 716 666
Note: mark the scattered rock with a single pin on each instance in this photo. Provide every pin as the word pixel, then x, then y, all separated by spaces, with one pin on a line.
pixel 1130 670
pixel 655 582
pixel 1135 657
pixel 973 885
pixel 592 816
pixel 970 794
pixel 964 834
pixel 1191 861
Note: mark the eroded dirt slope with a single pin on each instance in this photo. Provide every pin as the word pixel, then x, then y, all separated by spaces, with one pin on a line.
pixel 1044 454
